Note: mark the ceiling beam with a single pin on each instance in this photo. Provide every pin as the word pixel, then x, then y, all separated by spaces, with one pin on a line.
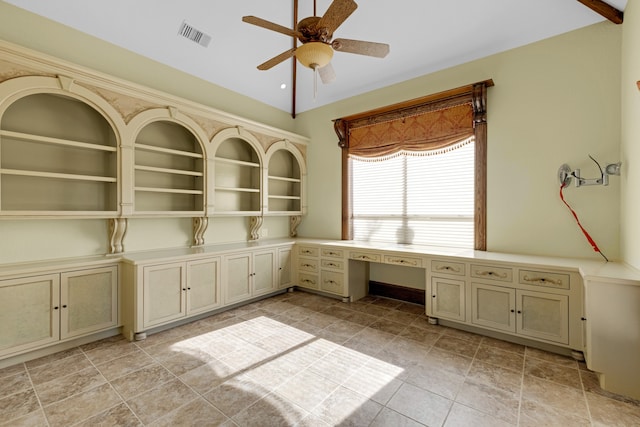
pixel 604 9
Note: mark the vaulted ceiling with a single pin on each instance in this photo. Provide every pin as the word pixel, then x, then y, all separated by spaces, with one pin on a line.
pixel 424 36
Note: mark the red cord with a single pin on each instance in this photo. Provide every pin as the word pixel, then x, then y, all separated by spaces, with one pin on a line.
pixel 586 234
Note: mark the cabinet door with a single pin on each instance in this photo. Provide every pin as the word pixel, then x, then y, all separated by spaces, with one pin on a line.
pixel 89 301
pixel 164 293
pixel 284 268
pixel 29 312
pixel 237 277
pixel 543 315
pixel 493 307
pixel 448 298
pixel 264 272
pixel 203 285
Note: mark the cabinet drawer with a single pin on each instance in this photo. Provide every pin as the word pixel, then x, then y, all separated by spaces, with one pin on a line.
pixel 308 264
pixel 544 278
pixel 365 256
pixel 491 272
pixel 332 253
pixel 403 260
pixel 307 251
pixel 447 267
pixel 332 282
pixel 330 263
pixel 308 281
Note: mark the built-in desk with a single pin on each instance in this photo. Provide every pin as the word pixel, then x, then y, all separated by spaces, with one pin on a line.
pixel 560 304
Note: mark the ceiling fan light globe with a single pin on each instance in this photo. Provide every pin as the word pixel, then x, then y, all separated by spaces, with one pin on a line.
pixel 314 54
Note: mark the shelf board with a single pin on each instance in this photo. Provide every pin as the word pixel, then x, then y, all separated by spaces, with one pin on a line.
pixel 167 170
pixel 237 162
pixel 56 141
pixel 167 190
pixel 284 178
pixel 285 197
pixel 146 147
pixel 68 176
pixel 237 213
pixel 239 190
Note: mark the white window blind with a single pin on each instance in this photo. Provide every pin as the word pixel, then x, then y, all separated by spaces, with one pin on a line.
pixel 424 198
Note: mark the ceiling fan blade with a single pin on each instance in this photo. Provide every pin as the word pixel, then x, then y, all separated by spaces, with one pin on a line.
pixel 277 59
pixel 337 13
pixel 327 74
pixel 269 25
pixel 379 50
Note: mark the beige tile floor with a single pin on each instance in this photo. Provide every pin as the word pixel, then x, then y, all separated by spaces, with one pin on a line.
pixel 302 359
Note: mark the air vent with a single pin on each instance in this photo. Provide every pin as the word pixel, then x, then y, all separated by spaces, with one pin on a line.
pixel 193 34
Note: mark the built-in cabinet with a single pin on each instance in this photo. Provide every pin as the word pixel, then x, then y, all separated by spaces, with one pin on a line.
pixel 161 288
pixel 322 268
pixel 543 305
pixel 249 274
pixel 173 291
pixel 44 309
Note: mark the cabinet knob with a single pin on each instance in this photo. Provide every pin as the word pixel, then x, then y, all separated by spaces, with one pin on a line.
pixel 583 318
pixel 433 296
pixel 188 289
pixel 519 311
pixel 184 289
pixel 513 311
pixel 56 307
pixel 64 306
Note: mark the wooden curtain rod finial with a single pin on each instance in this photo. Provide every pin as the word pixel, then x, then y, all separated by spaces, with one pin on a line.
pixel 611 13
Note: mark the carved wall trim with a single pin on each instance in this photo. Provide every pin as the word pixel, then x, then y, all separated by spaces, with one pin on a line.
pixel 255 224
pixel 117 233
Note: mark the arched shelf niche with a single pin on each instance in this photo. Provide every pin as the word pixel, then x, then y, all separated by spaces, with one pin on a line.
pixel 168 166
pixel 285 177
pixel 238 181
pixel 59 152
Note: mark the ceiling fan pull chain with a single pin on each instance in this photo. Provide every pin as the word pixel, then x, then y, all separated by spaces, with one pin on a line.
pixel 315 83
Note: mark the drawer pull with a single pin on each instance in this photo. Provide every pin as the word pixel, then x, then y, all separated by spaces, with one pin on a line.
pixel 402 261
pixel 447 268
pixel 365 258
pixel 308 265
pixel 307 252
pixel 331 282
pixel 310 282
pixel 491 274
pixel 331 264
pixel 330 253
pixel 557 282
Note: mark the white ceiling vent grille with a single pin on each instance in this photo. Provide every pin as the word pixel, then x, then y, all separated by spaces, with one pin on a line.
pixel 193 34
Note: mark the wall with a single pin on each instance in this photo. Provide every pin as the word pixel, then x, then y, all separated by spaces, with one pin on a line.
pixel 630 147
pixel 555 101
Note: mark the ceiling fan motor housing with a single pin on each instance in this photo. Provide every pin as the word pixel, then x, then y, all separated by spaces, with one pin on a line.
pixel 309 31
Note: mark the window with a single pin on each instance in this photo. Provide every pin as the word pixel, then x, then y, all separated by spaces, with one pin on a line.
pixel 422 198
pixel 415 172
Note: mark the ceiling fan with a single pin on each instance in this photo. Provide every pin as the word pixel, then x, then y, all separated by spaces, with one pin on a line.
pixel 315 35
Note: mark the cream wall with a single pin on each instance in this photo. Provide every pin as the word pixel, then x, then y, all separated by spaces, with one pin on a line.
pixel 553 102
pixel 630 147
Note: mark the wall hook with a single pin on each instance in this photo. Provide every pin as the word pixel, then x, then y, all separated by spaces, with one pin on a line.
pixel 565 174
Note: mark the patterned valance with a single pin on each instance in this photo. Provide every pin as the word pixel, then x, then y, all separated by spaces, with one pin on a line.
pixel 420 132
pixel 427 123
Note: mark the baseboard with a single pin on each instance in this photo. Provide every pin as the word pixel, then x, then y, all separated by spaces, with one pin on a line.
pixel 401 293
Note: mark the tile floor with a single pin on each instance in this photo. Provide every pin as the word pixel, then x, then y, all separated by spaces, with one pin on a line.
pixel 302 359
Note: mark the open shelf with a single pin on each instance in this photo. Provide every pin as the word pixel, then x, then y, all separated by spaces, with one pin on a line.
pixel 284 184
pixel 169 170
pixel 57 155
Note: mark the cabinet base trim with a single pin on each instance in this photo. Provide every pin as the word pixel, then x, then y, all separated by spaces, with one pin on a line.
pixel 402 293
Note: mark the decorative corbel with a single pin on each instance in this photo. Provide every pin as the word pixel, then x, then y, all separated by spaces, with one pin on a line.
pixel 340 127
pixel 117 232
pixel 255 224
pixel 200 225
pixel 479 103
pixel 294 222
